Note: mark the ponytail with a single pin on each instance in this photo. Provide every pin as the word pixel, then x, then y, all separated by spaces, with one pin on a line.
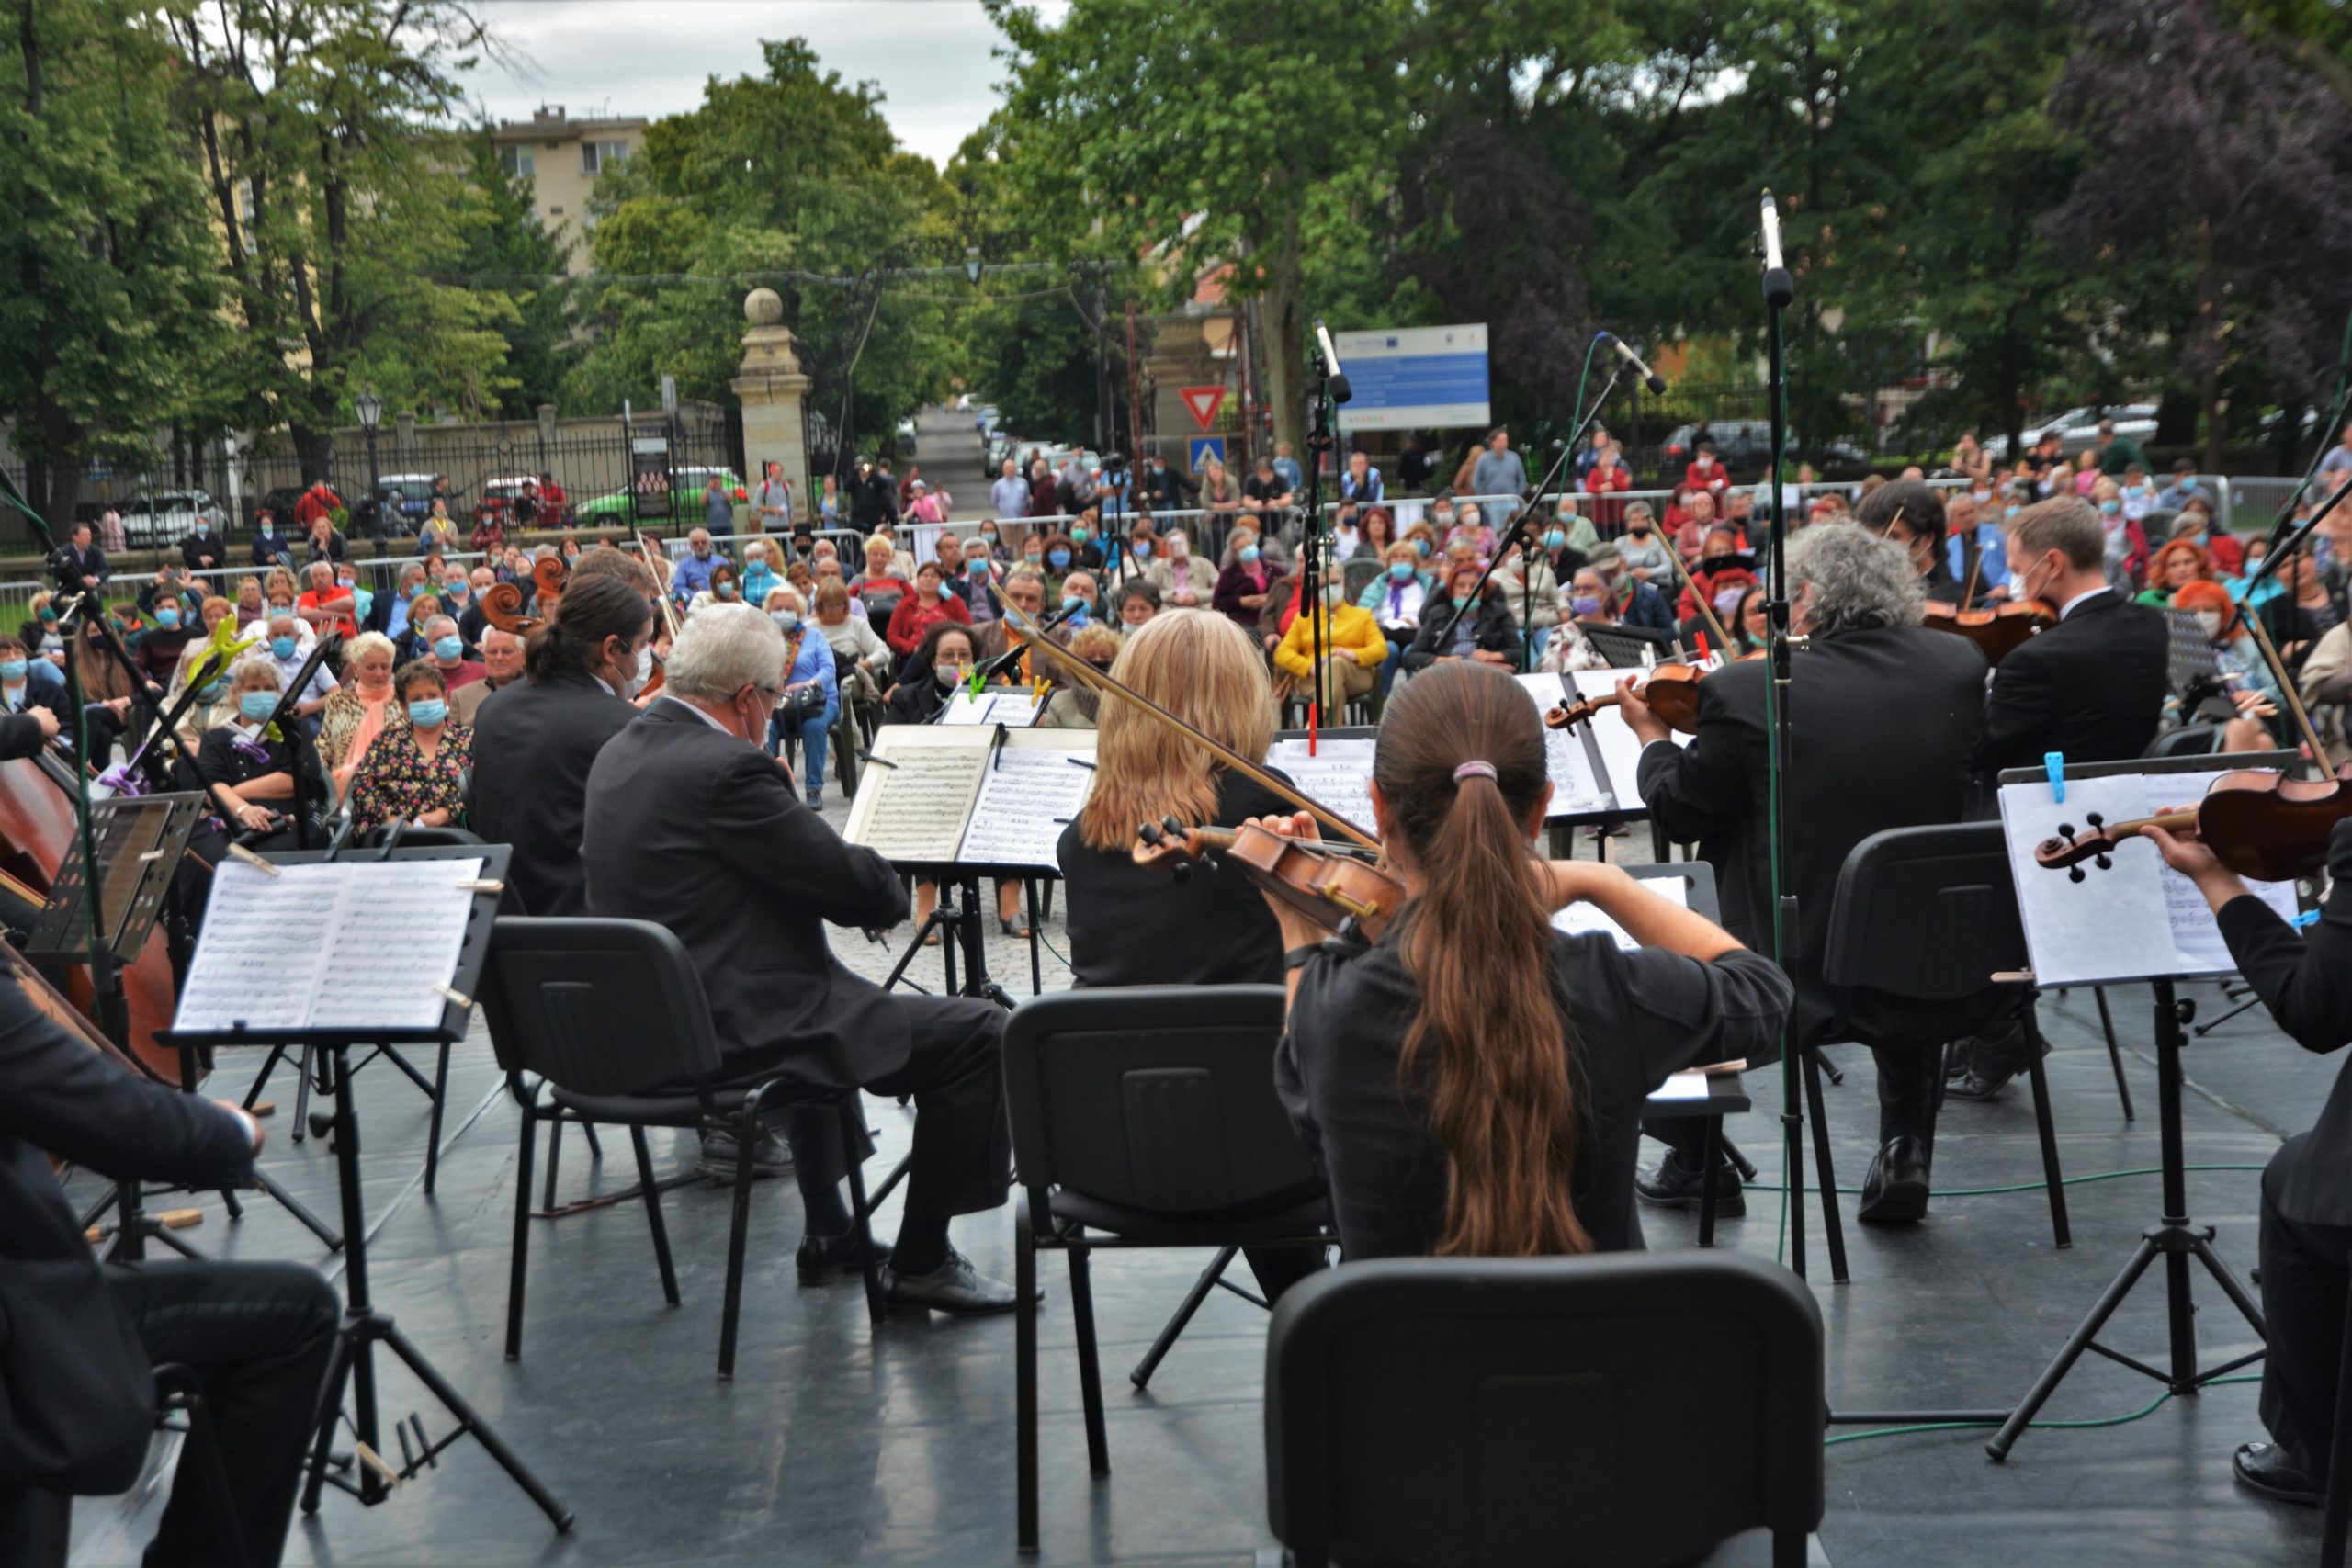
pixel 572 638
pixel 1460 766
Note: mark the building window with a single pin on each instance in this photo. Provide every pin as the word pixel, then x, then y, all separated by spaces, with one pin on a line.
pixel 596 157
pixel 518 161
pixel 555 211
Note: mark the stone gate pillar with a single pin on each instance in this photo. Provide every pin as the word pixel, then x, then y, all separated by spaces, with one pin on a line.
pixel 770 387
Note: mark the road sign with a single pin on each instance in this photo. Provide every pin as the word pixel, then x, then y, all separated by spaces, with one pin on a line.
pixel 1204 402
pixel 1414 377
pixel 1205 448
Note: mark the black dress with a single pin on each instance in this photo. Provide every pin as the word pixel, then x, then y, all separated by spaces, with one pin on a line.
pixel 1130 926
pixel 1635 1017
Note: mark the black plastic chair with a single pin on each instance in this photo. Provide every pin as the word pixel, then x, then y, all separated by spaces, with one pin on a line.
pixel 180 1391
pixel 2335 1516
pixel 2188 741
pixel 1925 916
pixel 601 1009
pixel 1146 1116
pixel 1478 1412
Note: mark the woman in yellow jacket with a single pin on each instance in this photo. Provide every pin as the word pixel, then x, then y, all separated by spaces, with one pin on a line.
pixel 1353 646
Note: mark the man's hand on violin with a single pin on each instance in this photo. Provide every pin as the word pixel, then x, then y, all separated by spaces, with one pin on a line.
pixel 1640 717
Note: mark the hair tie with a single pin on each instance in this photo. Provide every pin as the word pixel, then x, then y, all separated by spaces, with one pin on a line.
pixel 1474 770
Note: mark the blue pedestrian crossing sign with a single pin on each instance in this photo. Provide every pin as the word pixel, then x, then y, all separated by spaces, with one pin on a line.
pixel 1206 447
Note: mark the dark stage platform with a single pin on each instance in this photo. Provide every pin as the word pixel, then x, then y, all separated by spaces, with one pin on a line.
pixel 835 1445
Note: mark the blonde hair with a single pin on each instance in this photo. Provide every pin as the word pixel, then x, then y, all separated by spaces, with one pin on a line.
pixel 1206 670
pixel 367 643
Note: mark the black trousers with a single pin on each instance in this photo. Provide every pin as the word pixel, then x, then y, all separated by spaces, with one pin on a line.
pixel 962 1161
pixel 1910 1093
pixel 2306 1269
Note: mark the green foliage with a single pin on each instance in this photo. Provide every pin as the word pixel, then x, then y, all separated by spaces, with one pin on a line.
pixel 500 238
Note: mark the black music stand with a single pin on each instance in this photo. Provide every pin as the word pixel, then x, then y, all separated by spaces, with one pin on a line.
pixel 2175 1237
pixel 364 1326
pixel 1624 646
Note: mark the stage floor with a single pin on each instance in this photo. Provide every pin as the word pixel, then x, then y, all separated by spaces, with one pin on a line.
pixel 835 1444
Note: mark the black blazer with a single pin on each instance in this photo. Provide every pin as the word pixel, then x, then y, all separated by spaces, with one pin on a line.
pixel 2307 985
pixel 1880 726
pixel 1133 927
pixel 699 831
pixel 533 744
pixel 1490 627
pixel 2091 687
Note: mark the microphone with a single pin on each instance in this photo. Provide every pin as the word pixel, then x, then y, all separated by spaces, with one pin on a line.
pixel 1011 656
pixel 1650 378
pixel 1340 391
pixel 1780 288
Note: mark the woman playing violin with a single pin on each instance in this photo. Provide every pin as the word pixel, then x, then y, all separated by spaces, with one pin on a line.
pixel 1473 1081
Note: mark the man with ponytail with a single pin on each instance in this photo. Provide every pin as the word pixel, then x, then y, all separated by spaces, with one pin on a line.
pixel 1882 716
pixel 1473 1082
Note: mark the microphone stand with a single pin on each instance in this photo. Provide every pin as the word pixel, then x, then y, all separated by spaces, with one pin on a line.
pixel 1319 440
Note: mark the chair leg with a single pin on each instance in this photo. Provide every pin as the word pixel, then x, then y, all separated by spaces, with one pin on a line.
pixel 2338 1515
pixel 861 1210
pixel 2061 1234
pixel 596 1149
pixel 1089 1361
pixel 747 1139
pixel 1789 1549
pixel 555 1157
pixel 1024 1379
pixel 432 1126
pixel 1833 1224
pixel 2114 1052
pixel 654 1215
pixel 1141 1376
pixel 1711 1140
pixel 522 1247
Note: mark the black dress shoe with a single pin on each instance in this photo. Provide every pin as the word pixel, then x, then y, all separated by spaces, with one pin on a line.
pixel 825 1258
pixel 2270 1470
pixel 955 1287
pixel 1674 1185
pixel 1895 1191
pixel 1992 1061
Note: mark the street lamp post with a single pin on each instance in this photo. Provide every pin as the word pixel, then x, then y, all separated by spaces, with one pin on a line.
pixel 972 264
pixel 370 410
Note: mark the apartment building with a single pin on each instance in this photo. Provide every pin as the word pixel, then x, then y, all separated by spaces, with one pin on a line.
pixel 564 158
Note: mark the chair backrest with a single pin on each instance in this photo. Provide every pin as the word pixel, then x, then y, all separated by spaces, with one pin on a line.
pixel 2188 741
pixel 1357 575
pixel 1503 1411
pixel 596 1006
pixel 422 838
pixel 1152 1097
pixel 1926 914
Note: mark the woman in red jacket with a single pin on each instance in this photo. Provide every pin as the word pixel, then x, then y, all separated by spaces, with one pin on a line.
pixel 923 609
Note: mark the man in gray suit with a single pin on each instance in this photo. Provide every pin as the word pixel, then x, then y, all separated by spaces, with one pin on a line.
pixel 691 824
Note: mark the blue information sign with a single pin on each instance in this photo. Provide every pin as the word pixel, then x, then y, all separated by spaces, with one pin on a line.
pixel 1204 448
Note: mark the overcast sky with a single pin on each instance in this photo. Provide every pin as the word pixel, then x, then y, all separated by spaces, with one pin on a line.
pixel 930 58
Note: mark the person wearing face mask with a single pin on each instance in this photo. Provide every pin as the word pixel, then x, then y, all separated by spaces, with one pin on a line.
pixel 35 710
pixel 536 739
pixel 448 651
pixel 1972 538
pixel 760 579
pixel 2195 523
pixel 1642 550
pixel 248 774
pixel 203 549
pixel 1059 557
pixel 808 667
pixel 286 651
pixel 1911 513
pixel 1353 648
pixel 1607 477
pixel 990 539
pixel 724 587
pixel 692 825
pixel 270 545
pixel 2253 689
pixel 929 606
pixel 1185 580
pixel 156 647
pixel 973 573
pixel 1630 601
pixel 2126 553
pixel 1086 541
pixel 1530 593
pixel 1567 648
pixel 1468 623
pixel 1722 574
pixel 414 771
pixel 1073 707
pixel 1394 600
pixel 1244 587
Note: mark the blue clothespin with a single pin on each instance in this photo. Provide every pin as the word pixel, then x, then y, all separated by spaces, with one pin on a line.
pixel 2308 918
pixel 2055 762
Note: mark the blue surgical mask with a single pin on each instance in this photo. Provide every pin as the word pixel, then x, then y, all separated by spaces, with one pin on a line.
pixel 202 529
pixel 257 705
pixel 447 648
pixel 1423 547
pixel 1584 606
pixel 1143 550
pixel 167 617
pixel 2109 508
pixel 428 713
pixel 1247 553
pixel 724 591
pixel 210 691
pixel 12 671
pixel 1554 538
pixel 1400 570
pixel 976 569
pixel 1059 557
pixel 283 647
pixel 1078 535
pixel 1073 601
pixel 786 621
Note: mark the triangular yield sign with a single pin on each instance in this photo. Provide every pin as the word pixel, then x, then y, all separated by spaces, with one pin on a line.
pixel 1204 402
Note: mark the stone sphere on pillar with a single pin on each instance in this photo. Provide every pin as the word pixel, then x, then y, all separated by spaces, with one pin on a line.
pixel 763 307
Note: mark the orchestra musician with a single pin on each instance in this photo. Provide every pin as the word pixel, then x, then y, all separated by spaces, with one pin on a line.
pixel 1883 715
pixel 2091 688
pixel 257 1335
pixel 2306 1224
pixel 1473 1081
pixel 1911 513
pixel 534 740
pixel 692 824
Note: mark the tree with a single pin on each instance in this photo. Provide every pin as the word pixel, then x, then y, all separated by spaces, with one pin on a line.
pixel 1213 133
pixel 110 315
pixel 2253 150
pixel 503 248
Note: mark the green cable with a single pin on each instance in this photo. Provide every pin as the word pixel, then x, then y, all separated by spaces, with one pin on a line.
pixel 2021 1186
pixel 2146 1409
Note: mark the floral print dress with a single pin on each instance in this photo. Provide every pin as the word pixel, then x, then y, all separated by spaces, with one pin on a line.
pixel 396 783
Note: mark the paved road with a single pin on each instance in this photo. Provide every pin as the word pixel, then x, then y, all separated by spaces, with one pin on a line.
pixel 947 450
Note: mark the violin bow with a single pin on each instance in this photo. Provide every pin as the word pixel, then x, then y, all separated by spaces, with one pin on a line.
pixel 1706 610
pixel 2286 688
pixel 665 574
pixel 1088 675
pixel 1968 590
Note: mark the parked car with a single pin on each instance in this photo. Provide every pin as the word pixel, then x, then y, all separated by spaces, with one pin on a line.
pixel 166 517
pixel 685 490
pixel 406 500
pixel 2079 427
pixel 1744 446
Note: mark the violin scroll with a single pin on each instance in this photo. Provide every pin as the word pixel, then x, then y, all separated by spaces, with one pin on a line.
pixel 502 602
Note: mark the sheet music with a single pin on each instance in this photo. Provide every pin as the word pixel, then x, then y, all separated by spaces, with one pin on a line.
pixel 1689 1084
pixel 343 945
pixel 1339 775
pixel 915 795
pixel 1620 750
pixel 1581 918
pixel 1013 708
pixel 1575 786
pixel 2137 920
pixel 1028 794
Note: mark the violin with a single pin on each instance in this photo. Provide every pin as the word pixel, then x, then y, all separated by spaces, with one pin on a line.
pixel 1998 631
pixel 1336 887
pixel 1672 692
pixel 2261 825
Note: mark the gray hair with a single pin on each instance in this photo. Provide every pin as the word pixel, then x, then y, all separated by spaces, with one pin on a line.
pixel 256 670
pixel 723 649
pixel 433 625
pixel 1860 580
